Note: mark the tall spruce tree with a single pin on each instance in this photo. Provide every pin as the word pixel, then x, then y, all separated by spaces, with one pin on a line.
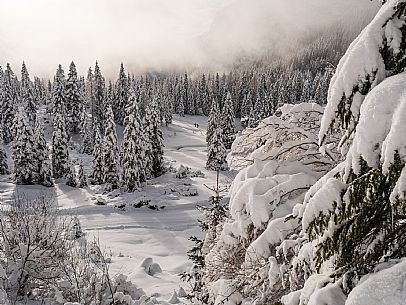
pixel 121 96
pixel 213 121
pixel 3 157
pixel 9 99
pixel 23 149
pixel 98 107
pixel 98 171
pixel 216 155
pixel 133 154
pixel 110 152
pixel 60 138
pixel 73 100
pixel 27 95
pixel 42 156
pixel 71 175
pixel 154 136
pixel 81 176
pixel 227 122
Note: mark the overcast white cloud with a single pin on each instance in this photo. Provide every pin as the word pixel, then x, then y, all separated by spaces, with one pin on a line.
pixel 148 33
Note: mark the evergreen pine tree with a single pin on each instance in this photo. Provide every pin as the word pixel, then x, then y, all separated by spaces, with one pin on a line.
pixel 73 100
pixel 41 156
pixel 98 107
pixel 121 96
pixel 81 176
pixel 3 157
pixel 181 107
pixel 45 174
pixel 216 155
pixel 9 97
pixel 211 219
pixel 60 153
pixel 227 122
pixel 23 149
pixel 27 95
pixel 60 139
pixel 212 122
pixel 71 175
pixel 154 136
pixel 133 154
pixel 86 133
pixel 110 152
pixel 98 171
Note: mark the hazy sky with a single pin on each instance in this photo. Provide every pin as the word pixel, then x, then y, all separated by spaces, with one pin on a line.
pixel 151 33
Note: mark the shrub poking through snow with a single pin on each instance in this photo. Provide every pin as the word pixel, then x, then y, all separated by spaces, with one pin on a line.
pixel 45 257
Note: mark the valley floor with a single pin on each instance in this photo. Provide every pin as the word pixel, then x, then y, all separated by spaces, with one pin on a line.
pixel 128 234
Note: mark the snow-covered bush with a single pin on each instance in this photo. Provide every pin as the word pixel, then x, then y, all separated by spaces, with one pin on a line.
pixel 279 162
pixel 43 256
pixel 283 137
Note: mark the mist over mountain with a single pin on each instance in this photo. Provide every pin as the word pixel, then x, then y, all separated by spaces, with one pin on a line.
pixel 157 35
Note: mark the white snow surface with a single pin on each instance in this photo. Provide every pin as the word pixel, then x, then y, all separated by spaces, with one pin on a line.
pixel 386 287
pixel 131 235
pixel 382 120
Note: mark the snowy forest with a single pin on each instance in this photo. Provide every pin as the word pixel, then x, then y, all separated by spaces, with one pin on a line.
pixel 277 179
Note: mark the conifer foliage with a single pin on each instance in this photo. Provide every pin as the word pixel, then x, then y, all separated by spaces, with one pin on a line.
pixel 3 159
pixel 27 95
pixel 121 96
pixel 60 153
pixel 43 167
pixel 110 152
pixel 25 170
pixel 9 98
pixel 227 122
pixel 74 102
pixel 133 154
pixel 98 170
pixel 153 135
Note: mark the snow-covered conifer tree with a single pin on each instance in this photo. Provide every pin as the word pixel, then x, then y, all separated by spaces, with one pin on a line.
pixel 227 122
pixel 110 152
pixel 27 95
pixel 181 107
pixel 212 121
pixel 81 176
pixel 153 134
pixel 216 155
pixel 43 168
pixel 121 96
pixel 3 157
pixel 133 155
pixel 98 171
pixel 98 107
pixel 9 98
pixel 86 133
pixel 23 149
pixel 73 100
pixel 58 93
pixel 71 175
pixel 60 153
pixel 60 139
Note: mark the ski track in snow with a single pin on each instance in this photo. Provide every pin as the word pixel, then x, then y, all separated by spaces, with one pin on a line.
pixel 128 236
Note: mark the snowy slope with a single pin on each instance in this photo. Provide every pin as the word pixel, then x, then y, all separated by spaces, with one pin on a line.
pixel 129 235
